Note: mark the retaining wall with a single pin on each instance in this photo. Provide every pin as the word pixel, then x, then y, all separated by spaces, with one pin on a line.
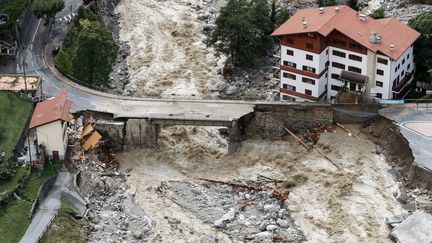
pixel 42 193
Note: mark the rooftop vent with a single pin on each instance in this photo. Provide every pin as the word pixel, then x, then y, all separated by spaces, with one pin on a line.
pixel 336 9
pixel 303 18
pixel 363 17
pixel 392 47
pixel 321 10
pixel 304 24
pixel 374 38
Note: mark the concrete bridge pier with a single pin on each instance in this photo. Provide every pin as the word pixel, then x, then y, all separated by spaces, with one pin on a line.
pixel 234 136
pixel 141 133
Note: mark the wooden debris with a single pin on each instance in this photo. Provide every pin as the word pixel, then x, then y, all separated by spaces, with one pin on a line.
pixel 298 139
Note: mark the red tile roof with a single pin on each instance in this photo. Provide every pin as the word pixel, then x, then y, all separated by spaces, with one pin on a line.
pixel 347 21
pixel 51 110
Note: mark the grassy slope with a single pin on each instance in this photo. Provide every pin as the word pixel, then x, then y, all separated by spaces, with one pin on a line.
pixel 69 229
pixel 6 185
pixel 14 219
pixel 13 116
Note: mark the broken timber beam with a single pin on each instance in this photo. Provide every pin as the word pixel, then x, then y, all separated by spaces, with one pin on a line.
pixel 306 146
pixel 298 139
pixel 346 130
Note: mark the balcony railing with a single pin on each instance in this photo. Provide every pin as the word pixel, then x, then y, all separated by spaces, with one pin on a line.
pixel 403 84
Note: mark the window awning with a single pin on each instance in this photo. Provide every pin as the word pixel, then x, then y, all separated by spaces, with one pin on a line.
pixel 353 77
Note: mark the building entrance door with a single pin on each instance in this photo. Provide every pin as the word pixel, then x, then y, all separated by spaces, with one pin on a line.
pixel 55 155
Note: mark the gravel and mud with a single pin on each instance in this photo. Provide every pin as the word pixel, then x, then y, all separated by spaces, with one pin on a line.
pixel 325 203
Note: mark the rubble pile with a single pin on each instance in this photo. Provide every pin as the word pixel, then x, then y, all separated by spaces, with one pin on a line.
pixel 112 210
pixel 251 211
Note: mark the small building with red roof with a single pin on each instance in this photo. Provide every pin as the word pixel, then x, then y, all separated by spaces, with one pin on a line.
pixel 50 122
pixel 326 50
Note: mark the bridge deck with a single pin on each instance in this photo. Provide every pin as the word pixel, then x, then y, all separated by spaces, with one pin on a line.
pixel 184 111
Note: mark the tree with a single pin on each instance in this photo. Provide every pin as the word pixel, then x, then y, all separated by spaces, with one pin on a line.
pixel 378 14
pixel 13 8
pixel 353 4
pixel 423 46
pixel 278 14
pixel 243 30
pixel 47 9
pixel 323 3
pixel 95 53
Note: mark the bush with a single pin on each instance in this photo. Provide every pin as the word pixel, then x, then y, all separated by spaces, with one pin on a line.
pixel 63 61
pixel 378 14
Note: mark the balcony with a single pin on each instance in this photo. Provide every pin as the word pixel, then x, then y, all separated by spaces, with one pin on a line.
pixel 403 87
pixel 297 94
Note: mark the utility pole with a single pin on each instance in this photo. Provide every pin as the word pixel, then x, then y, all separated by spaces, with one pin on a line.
pixel 25 80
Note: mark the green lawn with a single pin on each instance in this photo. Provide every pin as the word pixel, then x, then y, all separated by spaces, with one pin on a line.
pixel 14 221
pixel 29 192
pixel 13 116
pixel 13 181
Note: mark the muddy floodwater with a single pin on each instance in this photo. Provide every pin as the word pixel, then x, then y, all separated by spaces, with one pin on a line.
pixel 347 201
pixel 168 55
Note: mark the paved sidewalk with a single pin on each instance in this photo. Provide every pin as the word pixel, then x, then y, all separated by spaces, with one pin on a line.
pixel 47 209
pixel 417 136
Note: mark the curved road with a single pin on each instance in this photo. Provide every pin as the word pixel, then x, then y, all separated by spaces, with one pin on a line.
pixel 39 60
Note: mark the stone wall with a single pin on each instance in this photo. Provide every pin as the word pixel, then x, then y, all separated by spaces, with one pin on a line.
pixel 112 129
pixel 270 119
pixel 42 193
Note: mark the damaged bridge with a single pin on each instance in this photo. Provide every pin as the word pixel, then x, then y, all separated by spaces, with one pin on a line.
pixel 261 119
pixel 140 126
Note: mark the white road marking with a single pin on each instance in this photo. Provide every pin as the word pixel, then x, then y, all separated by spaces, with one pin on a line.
pixel 409 129
pixel 34 34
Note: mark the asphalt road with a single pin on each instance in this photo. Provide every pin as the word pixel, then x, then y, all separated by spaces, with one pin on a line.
pixel 39 60
pixel 420 144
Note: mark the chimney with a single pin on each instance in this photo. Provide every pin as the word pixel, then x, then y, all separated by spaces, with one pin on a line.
pixel 374 38
pixel 392 47
pixel 337 9
pixel 304 24
pixel 362 17
pixel 321 10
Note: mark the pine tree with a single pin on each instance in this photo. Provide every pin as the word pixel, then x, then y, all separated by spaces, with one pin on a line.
pixel 95 53
pixel 243 30
pixel 47 9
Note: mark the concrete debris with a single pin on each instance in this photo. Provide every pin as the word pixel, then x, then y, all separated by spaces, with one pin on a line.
pixel 417 228
pixel 230 208
pixel 220 223
pixel 112 210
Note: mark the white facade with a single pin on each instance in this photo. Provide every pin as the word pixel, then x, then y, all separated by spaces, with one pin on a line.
pixel 387 75
pixel 347 62
pixel 54 137
pixel 299 58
